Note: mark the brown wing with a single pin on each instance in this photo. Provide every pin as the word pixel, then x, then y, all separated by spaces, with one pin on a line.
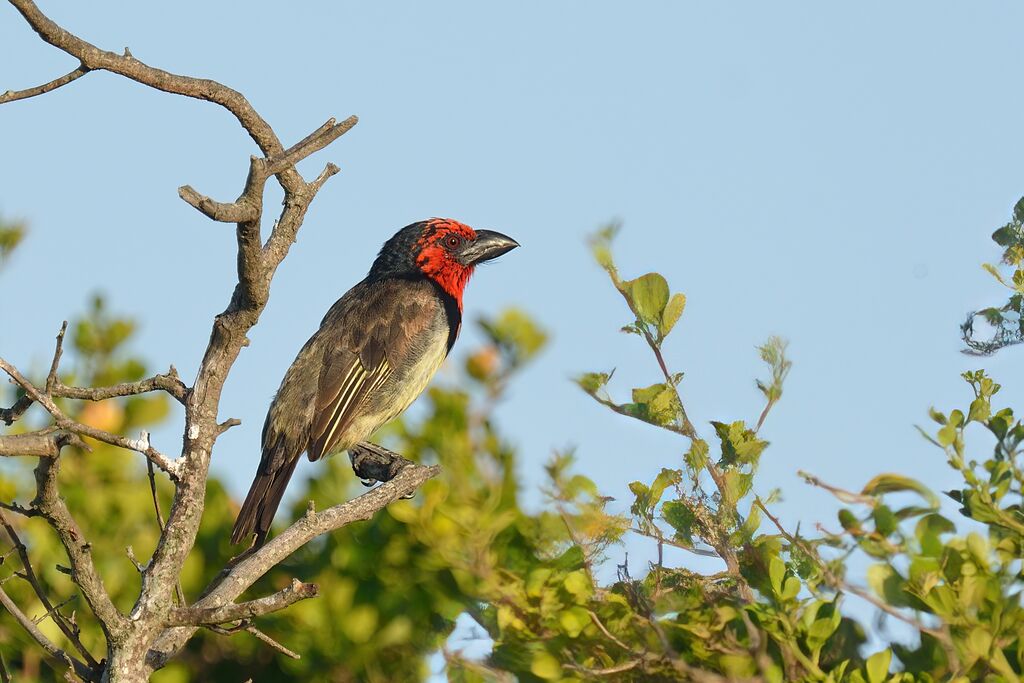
pixel 377 337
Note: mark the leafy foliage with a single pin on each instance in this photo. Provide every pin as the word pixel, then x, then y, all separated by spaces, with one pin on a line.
pixel 1006 321
pixel 393 588
pixel 11 235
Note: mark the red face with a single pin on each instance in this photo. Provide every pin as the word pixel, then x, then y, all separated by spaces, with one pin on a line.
pixel 438 250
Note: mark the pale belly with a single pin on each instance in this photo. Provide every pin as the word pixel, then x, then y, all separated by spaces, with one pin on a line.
pixel 409 385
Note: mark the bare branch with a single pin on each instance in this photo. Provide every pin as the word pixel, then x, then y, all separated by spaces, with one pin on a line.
pixel 44 600
pixel 55 511
pixel 20 509
pixel 256 265
pixel 261 636
pixel 51 377
pixel 325 175
pixel 10 415
pixel 14 95
pixel 224 212
pixel 312 143
pixel 140 445
pixel 42 444
pixel 54 612
pixel 227 424
pixel 168 382
pixel 841 494
pixel 128 66
pixel 237 578
pixel 58 656
pixel 196 616
pixel 178 590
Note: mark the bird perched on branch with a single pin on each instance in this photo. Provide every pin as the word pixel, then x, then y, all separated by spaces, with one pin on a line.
pixel 375 352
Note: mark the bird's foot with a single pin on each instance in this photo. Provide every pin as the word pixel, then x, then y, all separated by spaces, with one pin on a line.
pixel 373 463
pixel 368 482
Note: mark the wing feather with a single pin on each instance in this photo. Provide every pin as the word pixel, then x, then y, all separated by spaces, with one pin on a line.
pixel 378 336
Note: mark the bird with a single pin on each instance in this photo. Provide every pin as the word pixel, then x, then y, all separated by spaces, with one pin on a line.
pixel 376 350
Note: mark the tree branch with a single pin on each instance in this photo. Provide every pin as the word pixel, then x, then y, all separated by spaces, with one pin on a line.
pixel 42 444
pixel 140 445
pixel 14 95
pixel 54 653
pixel 128 66
pixel 168 382
pixel 10 415
pixel 237 578
pixel 198 616
pixel 256 264
pixel 33 580
pixel 83 572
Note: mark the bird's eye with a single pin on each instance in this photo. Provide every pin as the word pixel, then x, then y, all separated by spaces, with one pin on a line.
pixel 452 241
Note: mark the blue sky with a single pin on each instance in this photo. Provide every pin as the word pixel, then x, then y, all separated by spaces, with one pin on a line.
pixel 829 173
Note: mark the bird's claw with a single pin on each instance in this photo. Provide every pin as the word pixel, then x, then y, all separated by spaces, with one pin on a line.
pixel 368 482
pixel 407 496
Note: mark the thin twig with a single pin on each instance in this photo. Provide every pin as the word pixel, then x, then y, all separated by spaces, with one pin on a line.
pixel 54 510
pixel 140 445
pixel 195 616
pixel 54 611
pixel 44 600
pixel 178 590
pixel 9 415
pixel 260 635
pixel 51 376
pixel 167 382
pixel 14 95
pixel 54 653
pixel 842 494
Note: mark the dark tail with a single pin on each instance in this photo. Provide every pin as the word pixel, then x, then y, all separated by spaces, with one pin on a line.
pixel 261 503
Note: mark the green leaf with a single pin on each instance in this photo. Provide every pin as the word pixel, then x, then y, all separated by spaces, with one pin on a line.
pixel 740 446
pixel 885 521
pixel 648 296
pixel 848 520
pixel 572 558
pixel 891 483
pixel 737 485
pixel 887 584
pixel 574 620
pixel 776 573
pixel 979 642
pixel 980 410
pixel 592 382
pixel 545 666
pixel 994 272
pixel 790 588
pixel 536 580
pixel 697 456
pixel 878 666
pixel 673 310
pixel 578 584
pixel 680 517
pixel 656 404
pixel 664 479
pixel 1018 210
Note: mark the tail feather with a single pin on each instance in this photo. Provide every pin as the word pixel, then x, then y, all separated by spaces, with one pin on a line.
pixel 262 501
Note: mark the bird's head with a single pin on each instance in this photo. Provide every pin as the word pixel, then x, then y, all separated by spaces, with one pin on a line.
pixel 441 249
